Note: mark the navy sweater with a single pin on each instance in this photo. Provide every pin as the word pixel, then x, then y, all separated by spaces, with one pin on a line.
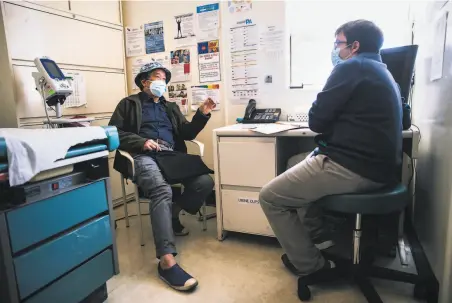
pixel 358 116
pixel 155 123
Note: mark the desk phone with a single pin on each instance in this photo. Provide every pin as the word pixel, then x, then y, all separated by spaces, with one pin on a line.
pixel 266 115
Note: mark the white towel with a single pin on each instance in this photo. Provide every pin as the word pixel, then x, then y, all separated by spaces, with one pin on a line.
pixel 31 151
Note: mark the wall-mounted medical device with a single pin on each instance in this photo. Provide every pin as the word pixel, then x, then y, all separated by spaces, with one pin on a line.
pixel 51 83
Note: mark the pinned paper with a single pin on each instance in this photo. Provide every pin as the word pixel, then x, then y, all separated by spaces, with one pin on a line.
pixel 78 96
pixel 180 65
pixel 202 92
pixel 153 34
pixel 135 41
pixel 178 93
pixel 209 61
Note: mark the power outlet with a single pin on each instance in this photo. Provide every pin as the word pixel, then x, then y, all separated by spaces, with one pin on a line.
pixel 298 117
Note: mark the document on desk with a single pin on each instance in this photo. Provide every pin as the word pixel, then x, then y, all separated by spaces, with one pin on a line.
pixel 273 128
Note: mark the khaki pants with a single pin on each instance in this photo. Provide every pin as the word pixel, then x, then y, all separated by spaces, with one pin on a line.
pixel 287 199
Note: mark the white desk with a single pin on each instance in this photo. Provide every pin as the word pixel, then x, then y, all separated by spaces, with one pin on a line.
pixel 245 161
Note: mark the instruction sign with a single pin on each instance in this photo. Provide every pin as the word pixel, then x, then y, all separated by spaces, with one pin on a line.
pixel 248 201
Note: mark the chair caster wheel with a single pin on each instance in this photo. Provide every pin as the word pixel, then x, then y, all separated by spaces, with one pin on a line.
pixel 422 291
pixel 304 294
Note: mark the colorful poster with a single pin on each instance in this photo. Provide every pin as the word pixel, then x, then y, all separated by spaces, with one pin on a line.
pixel 153 34
pixel 178 93
pixel 209 61
pixel 180 65
pixel 185 30
pixel 135 41
pixel 200 94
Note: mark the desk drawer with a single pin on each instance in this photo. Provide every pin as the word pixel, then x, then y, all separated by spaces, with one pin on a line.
pixel 243 213
pixel 53 259
pixel 78 284
pixel 247 161
pixel 35 222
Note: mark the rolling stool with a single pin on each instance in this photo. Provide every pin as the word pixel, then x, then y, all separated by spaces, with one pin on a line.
pixel 385 201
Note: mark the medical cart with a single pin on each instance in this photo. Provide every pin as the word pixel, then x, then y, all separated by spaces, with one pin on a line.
pixel 57 235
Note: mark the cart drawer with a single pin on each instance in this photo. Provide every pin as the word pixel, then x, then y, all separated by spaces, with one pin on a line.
pixel 38 221
pixel 80 283
pixel 48 262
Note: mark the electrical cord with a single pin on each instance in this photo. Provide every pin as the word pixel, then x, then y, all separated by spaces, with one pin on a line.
pixel 413 164
pixel 41 91
pixel 410 103
pixel 419 130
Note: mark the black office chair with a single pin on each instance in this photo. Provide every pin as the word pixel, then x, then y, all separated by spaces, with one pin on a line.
pixel 359 270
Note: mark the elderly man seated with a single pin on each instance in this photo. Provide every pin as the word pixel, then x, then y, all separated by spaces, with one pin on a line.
pixel 147 124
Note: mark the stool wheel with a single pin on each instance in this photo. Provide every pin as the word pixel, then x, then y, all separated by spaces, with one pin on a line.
pixel 304 294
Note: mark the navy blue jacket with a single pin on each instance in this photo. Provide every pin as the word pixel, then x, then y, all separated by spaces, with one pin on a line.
pixel 358 116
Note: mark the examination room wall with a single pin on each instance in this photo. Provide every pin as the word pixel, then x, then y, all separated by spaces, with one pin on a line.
pixel 278 93
pixel 84 37
pixel 79 43
pixel 140 12
pixel 432 112
pixel 263 13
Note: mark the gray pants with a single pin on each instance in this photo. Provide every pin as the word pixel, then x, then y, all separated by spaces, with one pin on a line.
pixel 287 199
pixel 154 187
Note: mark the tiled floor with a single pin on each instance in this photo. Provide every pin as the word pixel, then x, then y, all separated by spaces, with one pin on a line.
pixel 240 269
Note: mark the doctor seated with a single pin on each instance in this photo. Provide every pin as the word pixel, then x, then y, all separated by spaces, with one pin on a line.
pixel 147 123
pixel 358 115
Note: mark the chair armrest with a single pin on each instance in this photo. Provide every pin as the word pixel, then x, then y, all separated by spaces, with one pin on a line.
pixel 200 146
pixel 130 159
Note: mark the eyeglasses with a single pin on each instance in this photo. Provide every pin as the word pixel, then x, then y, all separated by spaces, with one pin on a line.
pixel 156 78
pixel 337 42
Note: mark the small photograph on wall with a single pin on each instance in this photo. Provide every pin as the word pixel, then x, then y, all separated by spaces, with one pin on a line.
pixel 153 36
pixel 178 93
pixel 180 65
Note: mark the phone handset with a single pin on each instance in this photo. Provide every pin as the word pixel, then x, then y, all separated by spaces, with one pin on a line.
pixel 263 115
pixel 250 109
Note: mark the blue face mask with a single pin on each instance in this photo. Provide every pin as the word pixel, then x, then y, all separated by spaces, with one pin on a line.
pixel 158 88
pixel 335 58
